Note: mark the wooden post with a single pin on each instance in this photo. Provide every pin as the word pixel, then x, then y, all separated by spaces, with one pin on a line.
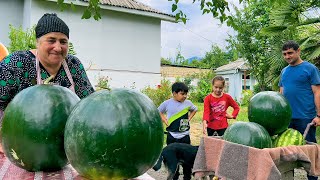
pixel 244 80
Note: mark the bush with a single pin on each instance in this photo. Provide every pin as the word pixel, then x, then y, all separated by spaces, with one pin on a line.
pixel 201 91
pixel 21 40
pixel 246 96
pixel 160 93
pixel 25 40
pixel 103 83
pixel 203 87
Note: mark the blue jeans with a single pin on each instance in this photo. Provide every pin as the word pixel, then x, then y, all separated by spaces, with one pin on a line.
pixel 300 125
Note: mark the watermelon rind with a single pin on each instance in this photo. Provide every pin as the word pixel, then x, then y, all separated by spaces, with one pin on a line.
pixel 288 138
pixel 115 134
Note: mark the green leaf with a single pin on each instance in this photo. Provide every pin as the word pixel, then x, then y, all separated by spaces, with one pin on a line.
pixel 209 4
pixel 174 7
pixel 272 30
pixel 97 16
pixel 86 14
pixel 206 11
pixel 73 7
pixel 176 1
pixel 184 20
pixel 177 16
pixel 315 54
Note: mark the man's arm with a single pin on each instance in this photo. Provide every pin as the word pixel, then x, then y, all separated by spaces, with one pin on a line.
pixel 316 92
pixel 281 90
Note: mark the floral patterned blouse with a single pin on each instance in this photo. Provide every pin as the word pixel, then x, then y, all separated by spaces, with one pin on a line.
pixel 18 72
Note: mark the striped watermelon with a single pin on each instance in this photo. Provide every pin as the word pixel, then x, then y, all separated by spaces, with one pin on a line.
pixel 289 137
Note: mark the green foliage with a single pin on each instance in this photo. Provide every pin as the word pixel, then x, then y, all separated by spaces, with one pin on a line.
pixel 215 58
pixel 202 90
pixel 165 61
pixel 71 49
pixel 257 87
pixel 203 87
pixel 180 59
pixel 250 43
pixel 297 20
pixel 246 96
pixel 21 40
pixel 103 83
pixel 159 94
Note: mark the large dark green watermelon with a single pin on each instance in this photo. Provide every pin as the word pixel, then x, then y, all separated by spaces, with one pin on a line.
pixel 249 134
pixel 114 134
pixel 271 110
pixel 33 127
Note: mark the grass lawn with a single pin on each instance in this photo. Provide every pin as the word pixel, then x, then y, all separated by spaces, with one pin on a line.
pixel 196 123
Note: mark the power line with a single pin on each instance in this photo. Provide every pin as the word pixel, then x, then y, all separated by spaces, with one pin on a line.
pixel 196 34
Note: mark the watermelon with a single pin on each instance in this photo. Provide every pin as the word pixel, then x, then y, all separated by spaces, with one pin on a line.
pixel 114 134
pixel 271 110
pixel 289 137
pixel 33 127
pixel 249 134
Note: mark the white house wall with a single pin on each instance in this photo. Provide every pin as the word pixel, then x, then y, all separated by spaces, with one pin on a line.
pixel 11 12
pixel 122 46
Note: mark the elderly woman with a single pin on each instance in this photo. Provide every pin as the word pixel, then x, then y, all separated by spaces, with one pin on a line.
pixel 23 69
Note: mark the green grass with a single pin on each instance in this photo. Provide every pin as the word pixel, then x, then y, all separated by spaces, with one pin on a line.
pixel 242 116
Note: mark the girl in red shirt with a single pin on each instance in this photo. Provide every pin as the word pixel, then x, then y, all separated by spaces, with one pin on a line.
pixel 215 109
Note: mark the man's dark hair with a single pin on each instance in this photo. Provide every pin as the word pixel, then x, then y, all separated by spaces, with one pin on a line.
pixel 290 44
pixel 179 86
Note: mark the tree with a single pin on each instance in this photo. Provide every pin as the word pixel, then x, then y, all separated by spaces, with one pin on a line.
pixel 218 8
pixel 215 58
pixel 300 20
pixel 165 61
pixel 249 42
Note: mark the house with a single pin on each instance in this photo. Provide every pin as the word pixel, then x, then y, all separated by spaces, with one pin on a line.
pixel 125 45
pixel 237 78
pixel 172 72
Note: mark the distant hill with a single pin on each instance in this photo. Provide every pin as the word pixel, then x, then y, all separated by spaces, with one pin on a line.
pixel 194 58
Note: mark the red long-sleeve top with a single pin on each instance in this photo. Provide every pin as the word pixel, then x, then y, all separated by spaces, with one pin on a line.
pixel 215 110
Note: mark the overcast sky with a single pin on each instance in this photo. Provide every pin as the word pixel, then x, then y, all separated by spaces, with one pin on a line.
pixel 194 38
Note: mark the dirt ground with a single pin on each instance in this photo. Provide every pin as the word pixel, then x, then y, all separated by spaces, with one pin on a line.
pixel 196 134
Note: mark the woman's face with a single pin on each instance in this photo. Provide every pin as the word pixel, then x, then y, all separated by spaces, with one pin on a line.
pixel 52 48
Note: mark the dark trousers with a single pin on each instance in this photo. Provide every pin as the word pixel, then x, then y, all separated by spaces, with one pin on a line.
pixel 218 132
pixel 186 169
pixel 300 125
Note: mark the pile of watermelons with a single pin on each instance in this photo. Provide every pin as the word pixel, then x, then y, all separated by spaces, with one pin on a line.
pixel 114 134
pixel 269 116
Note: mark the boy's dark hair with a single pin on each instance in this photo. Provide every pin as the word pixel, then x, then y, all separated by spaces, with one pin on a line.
pixel 179 86
pixel 218 78
pixel 290 44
